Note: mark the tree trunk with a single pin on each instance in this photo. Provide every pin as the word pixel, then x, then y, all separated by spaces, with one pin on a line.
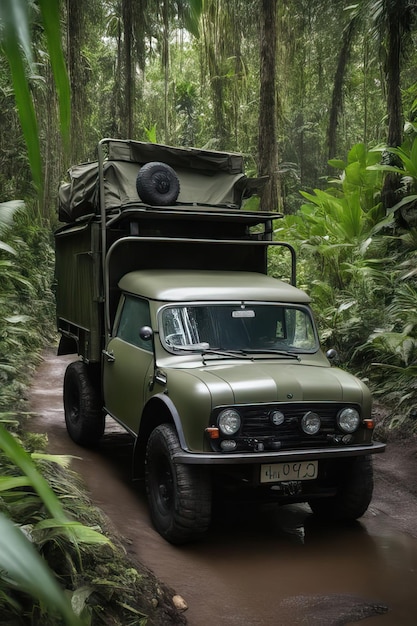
pixel 337 97
pixel 129 86
pixel 267 138
pixel 165 65
pixel 394 105
pixel 77 76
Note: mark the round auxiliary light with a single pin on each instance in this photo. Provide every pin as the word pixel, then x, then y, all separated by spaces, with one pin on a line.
pixel 348 420
pixel 229 421
pixel 227 445
pixel 277 418
pixel 310 423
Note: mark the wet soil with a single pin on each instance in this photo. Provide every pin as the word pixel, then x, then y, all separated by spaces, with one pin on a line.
pixel 270 566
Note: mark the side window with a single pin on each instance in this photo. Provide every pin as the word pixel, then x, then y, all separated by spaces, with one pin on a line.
pixel 135 314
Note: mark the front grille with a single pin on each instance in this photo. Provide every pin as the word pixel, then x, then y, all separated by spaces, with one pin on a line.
pixel 257 426
pixel 256 423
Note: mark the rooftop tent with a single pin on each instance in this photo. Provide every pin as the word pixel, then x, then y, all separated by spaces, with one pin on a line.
pixel 205 177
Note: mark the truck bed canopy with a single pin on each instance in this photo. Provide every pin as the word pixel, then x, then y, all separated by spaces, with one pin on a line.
pixel 206 177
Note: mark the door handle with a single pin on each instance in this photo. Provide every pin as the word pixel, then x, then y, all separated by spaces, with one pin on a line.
pixel 109 356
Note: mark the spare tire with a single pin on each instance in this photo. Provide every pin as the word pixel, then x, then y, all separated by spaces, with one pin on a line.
pixel 157 184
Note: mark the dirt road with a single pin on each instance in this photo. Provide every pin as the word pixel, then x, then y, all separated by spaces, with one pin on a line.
pixel 270 567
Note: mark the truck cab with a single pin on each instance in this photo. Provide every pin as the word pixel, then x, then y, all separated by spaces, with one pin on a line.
pixel 213 366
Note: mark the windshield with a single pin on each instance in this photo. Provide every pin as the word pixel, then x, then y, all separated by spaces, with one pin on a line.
pixel 242 327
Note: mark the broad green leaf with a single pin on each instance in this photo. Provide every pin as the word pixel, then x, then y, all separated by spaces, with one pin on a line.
pixel 24 101
pixel 192 16
pixel 21 563
pixel 50 10
pixel 14 19
pixel 337 163
pixel 6 248
pixel 11 482
pixel 64 460
pixel 357 153
pixel 14 36
pixel 354 173
pixel 22 459
pixel 403 202
pixel 7 212
pixel 82 534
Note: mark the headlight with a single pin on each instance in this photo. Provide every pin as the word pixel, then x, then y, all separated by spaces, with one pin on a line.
pixel 310 423
pixel 348 420
pixel 229 421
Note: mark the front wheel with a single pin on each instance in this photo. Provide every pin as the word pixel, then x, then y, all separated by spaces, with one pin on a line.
pixel 84 416
pixel 354 478
pixel 179 495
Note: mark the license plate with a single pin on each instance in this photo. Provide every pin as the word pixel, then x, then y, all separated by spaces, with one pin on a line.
pixel 293 470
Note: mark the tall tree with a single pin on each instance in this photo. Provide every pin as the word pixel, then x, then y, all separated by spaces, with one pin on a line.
pixel 268 108
pixel 77 71
pixel 392 20
pixel 337 96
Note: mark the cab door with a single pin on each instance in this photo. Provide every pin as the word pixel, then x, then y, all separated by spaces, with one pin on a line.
pixel 128 364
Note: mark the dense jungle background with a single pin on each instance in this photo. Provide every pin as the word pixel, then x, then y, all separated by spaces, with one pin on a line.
pixel 319 96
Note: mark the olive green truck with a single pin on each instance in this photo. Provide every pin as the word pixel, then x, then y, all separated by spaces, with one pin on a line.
pixel 180 335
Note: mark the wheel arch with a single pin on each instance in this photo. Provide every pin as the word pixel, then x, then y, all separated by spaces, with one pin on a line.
pixel 158 410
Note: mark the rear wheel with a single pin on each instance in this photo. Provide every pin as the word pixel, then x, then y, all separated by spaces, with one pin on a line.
pixel 179 495
pixel 354 491
pixel 84 416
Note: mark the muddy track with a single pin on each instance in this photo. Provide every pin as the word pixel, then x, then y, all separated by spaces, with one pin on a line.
pixel 269 567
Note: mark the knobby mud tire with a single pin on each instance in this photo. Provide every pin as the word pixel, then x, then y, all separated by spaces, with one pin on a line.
pixel 84 417
pixel 354 494
pixel 179 495
pixel 157 184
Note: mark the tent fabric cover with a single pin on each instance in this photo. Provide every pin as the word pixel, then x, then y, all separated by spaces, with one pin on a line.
pixel 205 176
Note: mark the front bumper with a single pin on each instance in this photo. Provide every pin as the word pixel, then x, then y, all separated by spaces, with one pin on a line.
pixel 204 458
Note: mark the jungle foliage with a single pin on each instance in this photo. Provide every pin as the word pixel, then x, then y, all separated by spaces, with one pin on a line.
pixel 327 109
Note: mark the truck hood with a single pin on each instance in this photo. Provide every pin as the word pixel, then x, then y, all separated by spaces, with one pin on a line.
pixel 246 383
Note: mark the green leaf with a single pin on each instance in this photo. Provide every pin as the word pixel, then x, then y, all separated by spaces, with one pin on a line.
pixel 81 533
pixel 15 20
pixel 357 153
pixel 6 248
pixel 21 563
pixel 337 163
pixel 24 103
pixel 151 133
pixel 15 36
pixel 64 460
pixel 22 459
pixel 50 10
pixel 403 202
pixel 192 17
pixel 11 482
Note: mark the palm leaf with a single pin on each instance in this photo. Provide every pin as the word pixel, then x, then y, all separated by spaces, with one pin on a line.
pixel 52 25
pixel 14 33
pixel 22 565
pixel 21 458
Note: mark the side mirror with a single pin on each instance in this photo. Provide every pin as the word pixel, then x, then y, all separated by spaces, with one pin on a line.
pixel 332 355
pixel 146 333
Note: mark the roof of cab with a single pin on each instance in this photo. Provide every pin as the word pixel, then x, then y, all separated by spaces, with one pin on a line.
pixel 198 285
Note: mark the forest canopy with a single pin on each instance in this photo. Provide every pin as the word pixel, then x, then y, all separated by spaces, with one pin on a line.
pixel 320 97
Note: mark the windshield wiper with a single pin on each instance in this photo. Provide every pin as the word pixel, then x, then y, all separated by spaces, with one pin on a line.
pixel 239 354
pixel 201 348
pixel 272 351
pixel 204 349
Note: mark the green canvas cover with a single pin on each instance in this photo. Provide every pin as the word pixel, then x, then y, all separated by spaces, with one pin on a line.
pixel 206 177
